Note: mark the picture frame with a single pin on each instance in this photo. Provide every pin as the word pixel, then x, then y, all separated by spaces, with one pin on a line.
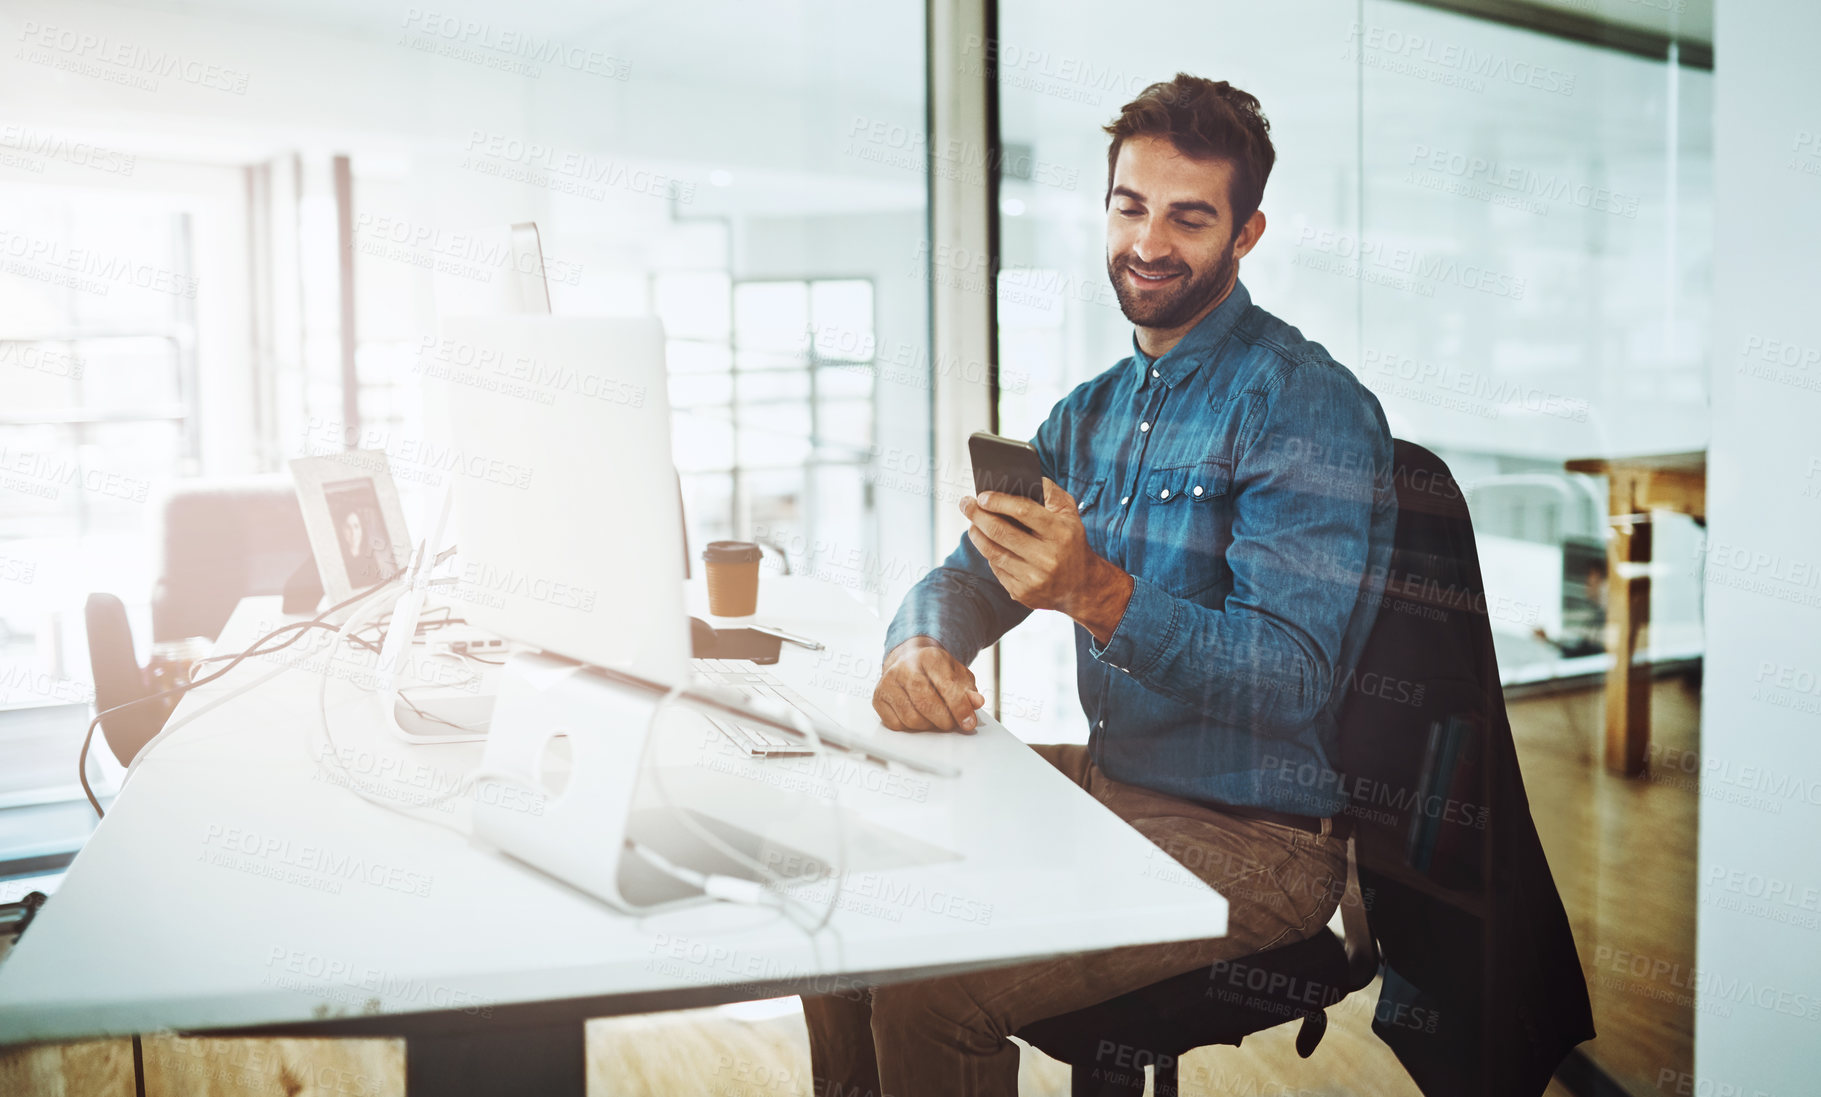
pixel 353 518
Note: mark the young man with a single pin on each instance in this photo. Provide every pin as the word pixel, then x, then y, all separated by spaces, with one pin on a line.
pixel 1217 520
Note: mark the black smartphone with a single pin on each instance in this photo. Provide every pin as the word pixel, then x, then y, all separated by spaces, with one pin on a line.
pixel 1005 464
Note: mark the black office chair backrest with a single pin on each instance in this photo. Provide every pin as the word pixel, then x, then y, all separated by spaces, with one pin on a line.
pixel 118 678
pixel 1409 739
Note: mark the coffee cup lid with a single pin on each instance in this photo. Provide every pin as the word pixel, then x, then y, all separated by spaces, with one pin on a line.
pixel 731 552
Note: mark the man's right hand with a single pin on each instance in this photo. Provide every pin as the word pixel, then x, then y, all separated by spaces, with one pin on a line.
pixel 924 688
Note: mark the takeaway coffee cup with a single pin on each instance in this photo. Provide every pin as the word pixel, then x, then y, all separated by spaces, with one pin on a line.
pixel 733 577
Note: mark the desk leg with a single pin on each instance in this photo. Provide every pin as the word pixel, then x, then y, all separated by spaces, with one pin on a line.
pixel 1627 628
pixel 506 1063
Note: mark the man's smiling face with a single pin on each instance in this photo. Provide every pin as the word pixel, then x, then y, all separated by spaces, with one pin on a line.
pixel 1172 247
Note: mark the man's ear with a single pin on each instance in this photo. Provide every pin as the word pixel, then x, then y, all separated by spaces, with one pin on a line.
pixel 1249 234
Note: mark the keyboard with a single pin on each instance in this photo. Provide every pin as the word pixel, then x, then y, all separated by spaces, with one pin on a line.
pixel 749 680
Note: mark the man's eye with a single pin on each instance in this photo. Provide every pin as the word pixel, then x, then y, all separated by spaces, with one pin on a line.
pixel 1187 224
pixel 1131 213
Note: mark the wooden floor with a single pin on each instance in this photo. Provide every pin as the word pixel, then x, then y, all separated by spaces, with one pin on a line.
pixel 1623 853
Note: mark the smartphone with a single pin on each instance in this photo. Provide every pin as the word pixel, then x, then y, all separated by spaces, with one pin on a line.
pixel 1005 464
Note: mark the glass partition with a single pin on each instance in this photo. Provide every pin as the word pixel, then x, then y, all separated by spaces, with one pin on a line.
pixel 1507 236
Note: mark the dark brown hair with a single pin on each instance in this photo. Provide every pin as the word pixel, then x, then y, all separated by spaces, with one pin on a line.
pixel 1205 120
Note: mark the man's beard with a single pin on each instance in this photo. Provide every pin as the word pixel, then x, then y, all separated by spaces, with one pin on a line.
pixel 1176 305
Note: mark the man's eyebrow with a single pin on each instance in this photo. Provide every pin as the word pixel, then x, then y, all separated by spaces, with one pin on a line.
pixel 1194 206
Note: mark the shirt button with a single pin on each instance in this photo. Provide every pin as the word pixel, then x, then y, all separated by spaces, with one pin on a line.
pixel 1124 499
pixel 1083 505
pixel 1164 494
pixel 1154 373
pixel 1197 490
pixel 1142 427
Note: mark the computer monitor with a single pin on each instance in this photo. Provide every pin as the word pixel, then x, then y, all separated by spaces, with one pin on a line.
pixel 491 270
pixel 530 286
pixel 565 507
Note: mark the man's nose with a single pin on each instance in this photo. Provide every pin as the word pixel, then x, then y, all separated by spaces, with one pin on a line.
pixel 1151 243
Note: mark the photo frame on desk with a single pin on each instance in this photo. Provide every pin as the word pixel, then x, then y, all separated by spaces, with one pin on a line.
pixel 353 518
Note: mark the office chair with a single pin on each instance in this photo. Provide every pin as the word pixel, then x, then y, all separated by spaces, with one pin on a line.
pixel 1109 1045
pixel 220 541
pixel 1424 869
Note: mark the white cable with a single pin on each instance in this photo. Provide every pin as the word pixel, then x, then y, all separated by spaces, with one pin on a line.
pixel 171 726
pixel 807 728
pixel 353 783
pixel 727 888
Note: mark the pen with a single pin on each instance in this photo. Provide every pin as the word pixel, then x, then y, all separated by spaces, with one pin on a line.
pixel 790 637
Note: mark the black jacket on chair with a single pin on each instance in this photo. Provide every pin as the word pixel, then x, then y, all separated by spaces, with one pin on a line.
pixel 1483 989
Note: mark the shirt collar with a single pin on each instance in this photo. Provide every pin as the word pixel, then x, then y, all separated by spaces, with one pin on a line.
pixel 1198 345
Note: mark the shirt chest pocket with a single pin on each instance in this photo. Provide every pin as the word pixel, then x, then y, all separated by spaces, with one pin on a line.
pixel 1187 516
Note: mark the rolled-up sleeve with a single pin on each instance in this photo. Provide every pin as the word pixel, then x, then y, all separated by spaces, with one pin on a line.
pixel 961 604
pixel 1312 466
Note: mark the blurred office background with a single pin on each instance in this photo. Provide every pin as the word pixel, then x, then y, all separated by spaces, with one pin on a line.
pixel 1501 216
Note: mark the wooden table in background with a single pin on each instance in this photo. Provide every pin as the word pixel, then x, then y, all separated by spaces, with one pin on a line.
pixel 1636 486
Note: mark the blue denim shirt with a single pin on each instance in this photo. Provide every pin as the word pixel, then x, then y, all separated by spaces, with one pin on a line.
pixel 1243 480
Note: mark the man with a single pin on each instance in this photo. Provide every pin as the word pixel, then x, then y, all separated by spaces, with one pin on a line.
pixel 1217 520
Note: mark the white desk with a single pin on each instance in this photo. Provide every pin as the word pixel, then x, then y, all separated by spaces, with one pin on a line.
pixel 236 886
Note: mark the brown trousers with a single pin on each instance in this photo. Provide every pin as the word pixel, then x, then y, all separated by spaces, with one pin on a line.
pixel 947 1037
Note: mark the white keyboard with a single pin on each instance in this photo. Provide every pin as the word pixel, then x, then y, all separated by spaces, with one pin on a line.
pixel 752 681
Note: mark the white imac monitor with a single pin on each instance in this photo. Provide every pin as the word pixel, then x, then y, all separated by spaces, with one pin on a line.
pixel 495 270
pixel 566 510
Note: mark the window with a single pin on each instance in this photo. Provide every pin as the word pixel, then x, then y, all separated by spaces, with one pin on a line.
pixel 772 390
pixel 1516 268
pixel 98 367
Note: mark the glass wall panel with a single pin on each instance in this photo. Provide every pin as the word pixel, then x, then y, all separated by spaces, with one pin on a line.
pixel 1507 236
pixel 1063 76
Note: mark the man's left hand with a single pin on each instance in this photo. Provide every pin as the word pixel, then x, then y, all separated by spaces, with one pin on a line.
pixel 1051 566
